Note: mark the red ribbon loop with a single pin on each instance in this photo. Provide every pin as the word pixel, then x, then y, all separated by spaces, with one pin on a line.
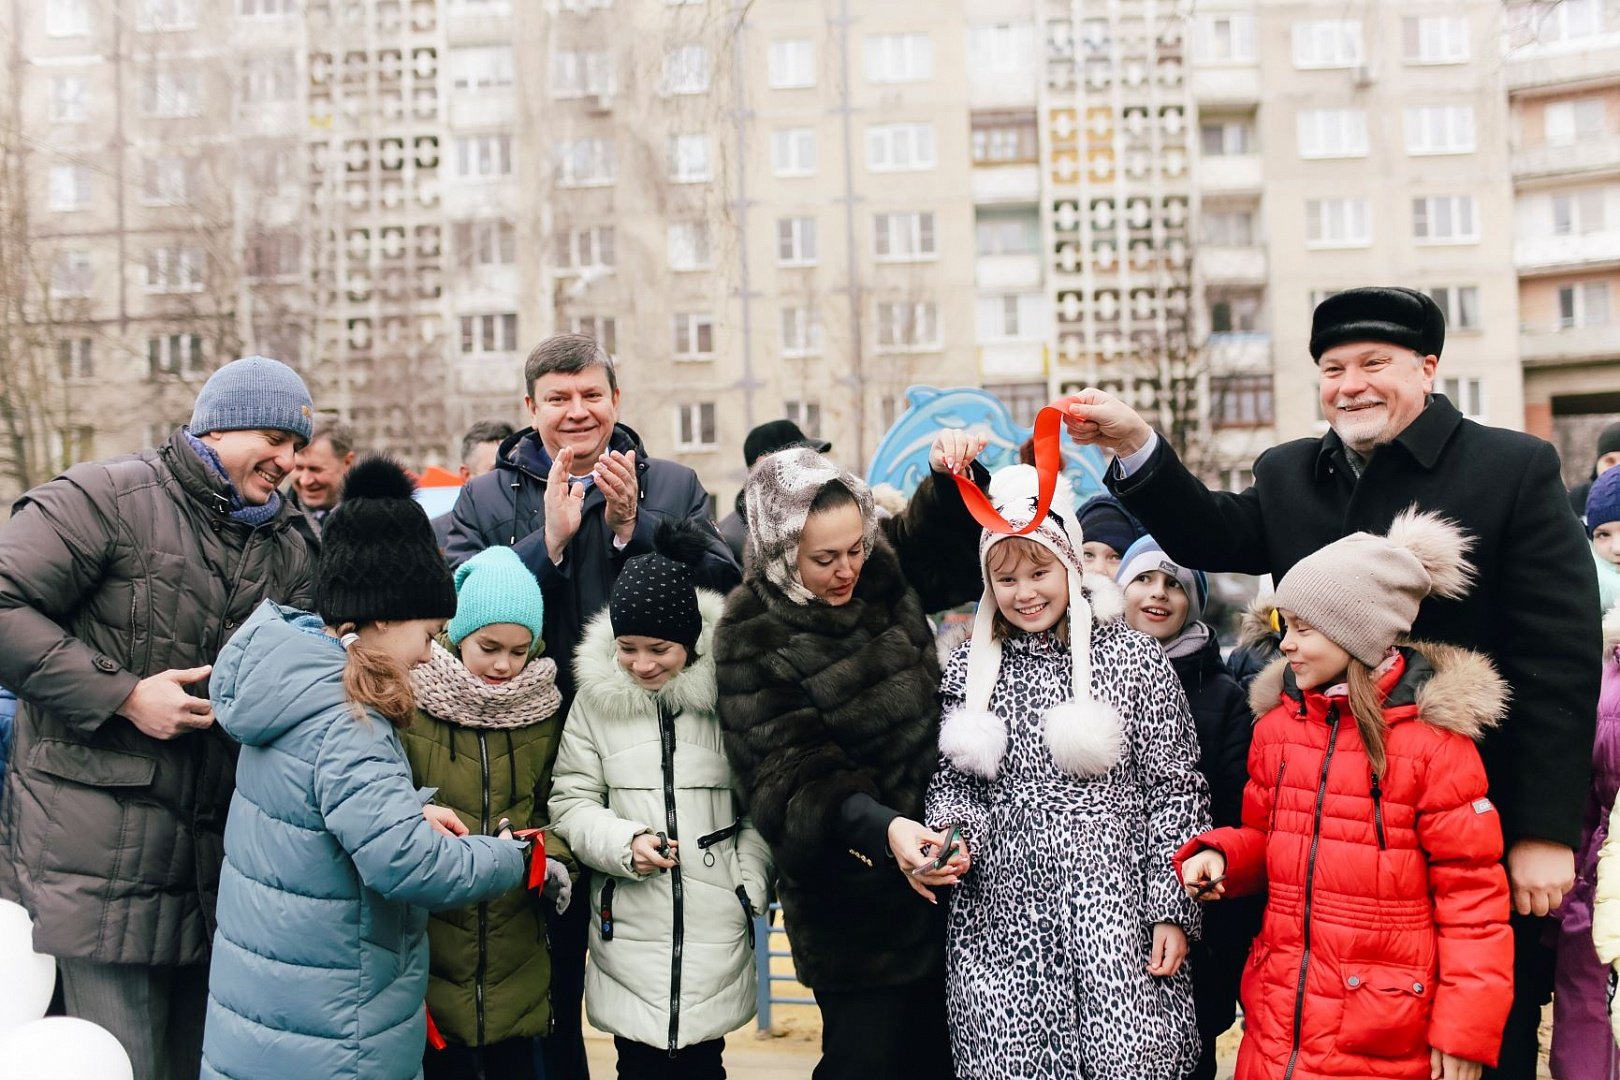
pixel 1048 466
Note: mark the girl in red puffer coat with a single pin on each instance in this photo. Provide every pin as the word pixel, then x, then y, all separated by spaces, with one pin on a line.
pixel 1385 950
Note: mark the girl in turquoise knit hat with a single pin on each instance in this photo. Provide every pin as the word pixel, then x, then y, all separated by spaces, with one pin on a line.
pixel 485 736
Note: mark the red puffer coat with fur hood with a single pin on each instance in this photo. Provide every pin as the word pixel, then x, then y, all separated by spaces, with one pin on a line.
pixel 1386 928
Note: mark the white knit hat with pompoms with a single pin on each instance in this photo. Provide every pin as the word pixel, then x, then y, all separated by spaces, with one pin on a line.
pixel 1084 734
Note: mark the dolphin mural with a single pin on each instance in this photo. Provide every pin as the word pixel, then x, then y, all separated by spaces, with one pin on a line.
pixel 901 458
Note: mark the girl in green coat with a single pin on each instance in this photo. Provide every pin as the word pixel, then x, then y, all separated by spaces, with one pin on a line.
pixel 485 735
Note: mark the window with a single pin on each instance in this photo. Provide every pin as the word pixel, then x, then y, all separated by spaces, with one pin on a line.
pixel 484 243
pixel 1439 129
pixel 1005 138
pixel 267 9
pixel 1226 138
pixel 1223 39
pixel 67 18
pixel 796 241
pixel 481 67
pixel 1565 122
pixel 1551 23
pixel 175 354
pixel 1460 304
pixel 1327 43
pixel 1333 223
pixel 1585 304
pixel 584 163
pixel 689 246
pixel 694 427
pixel 74 356
pixel 906 326
pixel 903 237
pixel 1465 392
pixel 1008 233
pixel 1011 318
pixel 169 95
pixel 1575 213
pixel 70 187
pixel 176 268
pixel 686 70
pixel 70 99
pixel 806 414
pixel 483 155
pixel 274 255
pixel 1234 311
pixel 689 159
pixel 166 181
pixel 1241 401
pixel 603 328
pixel 1434 39
pixel 271 166
pixel 1316 298
pixel 899 58
pixel 1228 228
pixel 71 275
pixel 1332 133
pixel 579 6
pixel 488 333
pixel 801 331
pixel 582 74
pixel 586 249
pixel 791 64
pixel 1001 48
pixel 1445 219
pixel 1024 401
pixel 160 16
pixel 793 152
pixel 899 147
pixel 268 78
pixel 694 336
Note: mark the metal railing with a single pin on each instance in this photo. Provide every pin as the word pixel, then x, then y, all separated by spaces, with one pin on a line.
pixel 767 935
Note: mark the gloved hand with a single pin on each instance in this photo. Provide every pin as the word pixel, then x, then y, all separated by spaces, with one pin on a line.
pixel 559 887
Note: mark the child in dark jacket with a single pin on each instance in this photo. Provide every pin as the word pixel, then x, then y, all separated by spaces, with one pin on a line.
pixel 1166 601
pixel 1259 641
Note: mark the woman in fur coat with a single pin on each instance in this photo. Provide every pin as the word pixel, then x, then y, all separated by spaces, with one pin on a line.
pixel 828 676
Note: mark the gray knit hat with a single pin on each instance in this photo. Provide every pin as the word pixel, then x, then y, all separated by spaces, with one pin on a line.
pixel 780 491
pixel 1363 592
pixel 252 393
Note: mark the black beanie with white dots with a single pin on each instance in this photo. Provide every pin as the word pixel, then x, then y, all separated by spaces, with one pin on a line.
pixel 656 595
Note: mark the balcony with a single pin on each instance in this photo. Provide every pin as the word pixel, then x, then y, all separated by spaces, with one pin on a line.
pixel 1003 92
pixel 489 374
pixel 481 108
pixel 1232 265
pixel 1598 155
pixel 1229 174
pixel 1006 184
pixel 1576 345
pixel 1239 351
pixel 1593 59
pixel 1007 273
pixel 1226 85
pixel 471 25
pixel 1012 360
pixel 1560 254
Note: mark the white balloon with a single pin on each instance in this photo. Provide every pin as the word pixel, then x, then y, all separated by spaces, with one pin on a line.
pixel 27 976
pixel 62 1048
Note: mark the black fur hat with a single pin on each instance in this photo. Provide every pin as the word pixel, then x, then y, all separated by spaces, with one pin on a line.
pixel 379 557
pixel 1399 316
pixel 656 595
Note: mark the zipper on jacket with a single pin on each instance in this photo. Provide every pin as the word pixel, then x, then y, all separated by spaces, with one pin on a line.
pixel 1276 794
pixel 1378 812
pixel 666 731
pixel 707 841
pixel 748 914
pixel 1310 887
pixel 483 905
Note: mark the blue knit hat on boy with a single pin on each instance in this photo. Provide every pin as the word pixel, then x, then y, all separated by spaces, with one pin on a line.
pixel 252 393
pixel 1146 555
pixel 495 587
pixel 1603 501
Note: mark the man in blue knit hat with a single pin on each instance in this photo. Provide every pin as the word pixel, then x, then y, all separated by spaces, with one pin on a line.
pixel 119 582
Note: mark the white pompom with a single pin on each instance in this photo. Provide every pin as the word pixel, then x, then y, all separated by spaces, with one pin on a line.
pixel 975 741
pixel 1107 598
pixel 1085 737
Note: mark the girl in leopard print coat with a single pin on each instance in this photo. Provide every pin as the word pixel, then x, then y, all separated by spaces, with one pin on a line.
pixel 1069 758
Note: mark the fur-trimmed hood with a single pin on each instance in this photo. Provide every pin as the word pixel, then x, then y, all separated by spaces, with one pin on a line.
pixel 1611 630
pixel 1454 689
pixel 1254 625
pixel 604 686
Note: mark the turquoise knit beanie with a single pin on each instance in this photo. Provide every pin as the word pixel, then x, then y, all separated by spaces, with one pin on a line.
pixel 495 587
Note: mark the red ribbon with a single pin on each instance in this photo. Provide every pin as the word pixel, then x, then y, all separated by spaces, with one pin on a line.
pixel 435 1040
pixel 537 857
pixel 1048 466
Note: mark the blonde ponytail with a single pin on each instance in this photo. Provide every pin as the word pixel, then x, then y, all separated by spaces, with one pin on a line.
pixel 373 679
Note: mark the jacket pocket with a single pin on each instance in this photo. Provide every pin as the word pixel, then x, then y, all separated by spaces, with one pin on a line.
pixel 94 766
pixel 1249 989
pixel 1386 1009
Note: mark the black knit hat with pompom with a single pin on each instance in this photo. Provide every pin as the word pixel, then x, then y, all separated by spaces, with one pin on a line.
pixel 655 595
pixel 379 557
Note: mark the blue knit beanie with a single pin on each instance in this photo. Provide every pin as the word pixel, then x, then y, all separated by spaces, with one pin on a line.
pixel 1603 501
pixel 1145 555
pixel 495 587
pixel 252 393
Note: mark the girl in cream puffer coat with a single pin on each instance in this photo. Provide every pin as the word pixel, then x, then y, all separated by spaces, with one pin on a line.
pixel 671 937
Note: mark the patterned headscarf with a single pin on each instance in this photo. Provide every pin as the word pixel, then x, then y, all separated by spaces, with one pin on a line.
pixel 780 490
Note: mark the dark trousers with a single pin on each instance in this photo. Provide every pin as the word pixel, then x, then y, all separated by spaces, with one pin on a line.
pixel 155 1013
pixel 1216 962
pixel 1533 961
pixel 700 1061
pixel 893 1031
pixel 512 1059
pixel 564 1048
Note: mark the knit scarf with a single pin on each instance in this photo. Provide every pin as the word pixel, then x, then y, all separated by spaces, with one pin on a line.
pixel 446 689
pixel 251 516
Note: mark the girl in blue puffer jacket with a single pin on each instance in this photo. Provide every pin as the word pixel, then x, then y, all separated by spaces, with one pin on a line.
pixel 332 858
